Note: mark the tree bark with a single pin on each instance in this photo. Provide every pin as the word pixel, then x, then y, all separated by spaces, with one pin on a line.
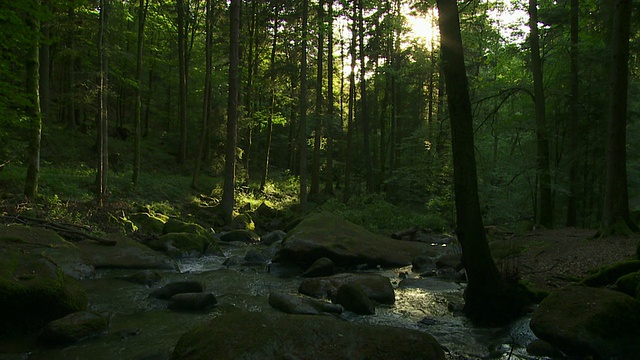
pixel 103 138
pixel 350 116
pixel 487 300
pixel 142 14
pixel 228 195
pixel 33 109
pixel 315 171
pixel 302 137
pixel 574 118
pixel 330 123
pixel 364 111
pixel 616 198
pixel 545 209
pixel 182 69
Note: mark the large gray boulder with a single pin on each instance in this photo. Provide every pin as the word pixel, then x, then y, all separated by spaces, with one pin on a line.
pixel 346 244
pixel 590 322
pixel 257 335
pixel 377 287
pixel 74 327
pixel 126 254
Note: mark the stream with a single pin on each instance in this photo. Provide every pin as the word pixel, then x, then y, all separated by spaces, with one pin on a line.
pixel 143 328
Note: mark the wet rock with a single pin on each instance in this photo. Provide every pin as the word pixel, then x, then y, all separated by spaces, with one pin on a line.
pixel 243 236
pixel 272 237
pixel 33 288
pixel 145 277
pixel 281 336
pixel 590 322
pixel 321 267
pixel 346 244
pixel 198 301
pixel 542 348
pixel 127 254
pixel 449 261
pixel 377 287
pixel 296 304
pixel 73 327
pixel 179 287
pixel 178 245
pixel 422 264
pixel 353 298
pixel 254 257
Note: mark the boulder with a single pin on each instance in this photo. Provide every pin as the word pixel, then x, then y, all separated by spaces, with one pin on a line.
pixel 253 257
pixel 590 322
pixel 178 245
pixel 346 244
pixel 296 304
pixel 198 301
pixel 243 222
pixel 272 237
pixel 144 277
pixel 74 327
pixel 179 226
pixel 126 254
pixel 321 267
pixel 178 287
pixel 609 274
pixel 629 283
pixel 243 236
pixel 148 223
pixel 33 288
pixel 377 287
pixel 353 298
pixel 257 335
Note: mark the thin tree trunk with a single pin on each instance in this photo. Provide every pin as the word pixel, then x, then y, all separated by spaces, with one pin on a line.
pixel 574 118
pixel 33 111
pixel 45 67
pixel 350 115
pixel 182 68
pixel 616 197
pixel 71 98
pixel 103 139
pixel 315 171
pixel 302 131
pixel 272 103
pixel 545 211
pixel 142 14
pixel 329 127
pixel 206 101
pixel 228 195
pixel 364 111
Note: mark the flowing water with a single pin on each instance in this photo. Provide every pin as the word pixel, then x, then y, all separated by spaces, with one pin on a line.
pixel 143 328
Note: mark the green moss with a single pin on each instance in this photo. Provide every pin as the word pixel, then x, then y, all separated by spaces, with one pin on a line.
pixel 628 283
pixel 181 244
pixel 608 275
pixel 148 223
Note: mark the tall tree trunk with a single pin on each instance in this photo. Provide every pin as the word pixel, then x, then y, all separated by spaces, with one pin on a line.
pixel 206 96
pixel 574 118
pixel 315 170
pixel 616 198
pixel 71 75
pixel 142 14
pixel 487 300
pixel 364 111
pixel 350 116
pixel 545 210
pixel 103 138
pixel 33 109
pixel 228 196
pixel 302 131
pixel 272 101
pixel 329 127
pixel 45 67
pixel 182 68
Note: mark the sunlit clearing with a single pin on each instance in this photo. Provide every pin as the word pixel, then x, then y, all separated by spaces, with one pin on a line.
pixel 423 28
pixel 512 21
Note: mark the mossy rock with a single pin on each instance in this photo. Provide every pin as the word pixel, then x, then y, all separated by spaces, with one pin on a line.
pixel 628 283
pixel 245 236
pixel 178 226
pixel 608 275
pixel 239 334
pixel 33 288
pixel 148 223
pixel 178 245
pixel 74 327
pixel 243 222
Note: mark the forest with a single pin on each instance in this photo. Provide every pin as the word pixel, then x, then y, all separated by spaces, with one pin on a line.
pixel 345 99
pixel 451 118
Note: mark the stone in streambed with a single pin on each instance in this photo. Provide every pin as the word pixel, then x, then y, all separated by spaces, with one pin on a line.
pixel 354 299
pixel 321 267
pixel 377 287
pixel 179 287
pixel 192 301
pixel 73 328
pixel 296 304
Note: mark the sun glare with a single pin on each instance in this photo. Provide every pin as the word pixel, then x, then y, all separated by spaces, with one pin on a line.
pixel 423 28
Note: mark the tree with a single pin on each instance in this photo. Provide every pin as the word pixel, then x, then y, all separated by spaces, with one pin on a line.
pixel 616 197
pixel 488 298
pixel 302 131
pixel 228 196
pixel 545 197
pixel 315 171
pixel 328 187
pixel 103 132
pixel 573 120
pixel 33 109
pixel 182 70
pixel 364 111
pixel 142 14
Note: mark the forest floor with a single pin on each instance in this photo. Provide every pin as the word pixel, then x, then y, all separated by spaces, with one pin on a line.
pixel 550 259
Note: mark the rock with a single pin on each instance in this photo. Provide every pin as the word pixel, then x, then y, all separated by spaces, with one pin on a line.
pixel 422 264
pixel 179 287
pixel 33 288
pixel 178 226
pixel 73 328
pixel 377 287
pixel 589 322
pixel 127 254
pixel 244 236
pixel 629 283
pixel 178 245
pixel 353 298
pixel 148 223
pixel 451 261
pixel 243 222
pixel 272 237
pixel 296 304
pixel 609 274
pixel 259 335
pixel 542 348
pixel 197 301
pixel 321 267
pixel 145 277
pixel 254 257
pixel 346 244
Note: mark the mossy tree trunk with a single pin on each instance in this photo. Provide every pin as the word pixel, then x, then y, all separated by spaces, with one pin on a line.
pixel 488 298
